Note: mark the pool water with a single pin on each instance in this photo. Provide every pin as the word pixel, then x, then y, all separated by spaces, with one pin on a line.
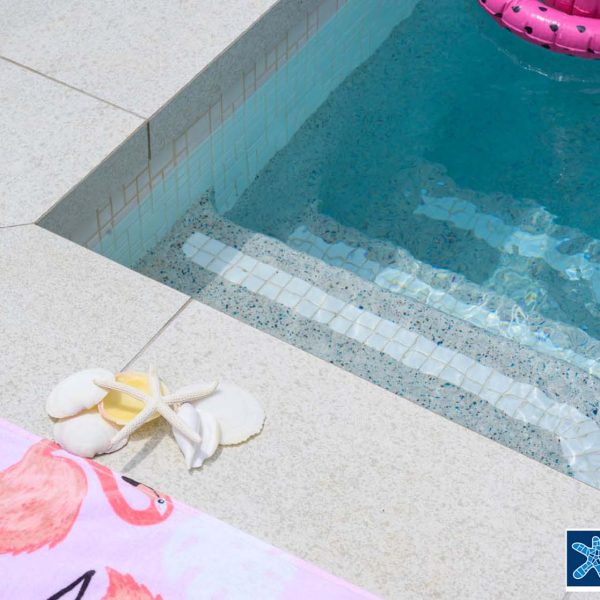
pixel 453 170
pixel 451 113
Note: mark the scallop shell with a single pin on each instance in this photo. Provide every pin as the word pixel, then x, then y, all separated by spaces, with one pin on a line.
pixel 121 408
pixel 207 426
pixel 86 434
pixel 238 413
pixel 76 393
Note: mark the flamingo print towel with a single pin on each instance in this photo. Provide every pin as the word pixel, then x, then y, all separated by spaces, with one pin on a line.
pixel 72 529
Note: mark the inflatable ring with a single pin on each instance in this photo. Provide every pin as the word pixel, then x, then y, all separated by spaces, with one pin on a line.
pixel 565 26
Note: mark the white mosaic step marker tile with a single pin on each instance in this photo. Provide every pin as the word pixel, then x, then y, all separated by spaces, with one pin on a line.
pixel 579 435
pixel 400 282
pixel 510 239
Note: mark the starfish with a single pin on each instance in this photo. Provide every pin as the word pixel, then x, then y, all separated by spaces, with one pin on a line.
pixel 155 402
pixel 592 557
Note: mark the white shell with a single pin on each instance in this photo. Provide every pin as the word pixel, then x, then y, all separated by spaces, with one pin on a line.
pixel 206 426
pixel 238 413
pixel 87 434
pixel 76 393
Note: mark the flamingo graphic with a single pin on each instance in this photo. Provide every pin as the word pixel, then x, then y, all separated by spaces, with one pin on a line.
pixel 40 499
pixel 124 587
pixel 41 496
pixel 121 586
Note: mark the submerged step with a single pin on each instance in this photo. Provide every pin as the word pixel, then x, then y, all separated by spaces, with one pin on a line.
pixel 579 435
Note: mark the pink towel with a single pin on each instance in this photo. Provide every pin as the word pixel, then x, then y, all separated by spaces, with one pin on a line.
pixel 73 529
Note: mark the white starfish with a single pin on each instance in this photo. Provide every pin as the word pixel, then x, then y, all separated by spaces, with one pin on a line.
pixel 156 402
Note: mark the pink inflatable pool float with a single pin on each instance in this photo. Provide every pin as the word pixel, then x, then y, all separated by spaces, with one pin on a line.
pixel 566 26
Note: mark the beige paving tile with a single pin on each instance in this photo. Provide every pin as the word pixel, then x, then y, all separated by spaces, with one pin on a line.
pixel 136 54
pixel 64 308
pixel 52 136
pixel 359 481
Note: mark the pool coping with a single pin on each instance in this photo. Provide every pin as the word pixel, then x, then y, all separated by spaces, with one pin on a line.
pixel 31 309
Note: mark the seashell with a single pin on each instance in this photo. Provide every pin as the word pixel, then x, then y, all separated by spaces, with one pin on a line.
pixel 86 434
pixel 76 393
pixel 207 427
pixel 121 408
pixel 238 413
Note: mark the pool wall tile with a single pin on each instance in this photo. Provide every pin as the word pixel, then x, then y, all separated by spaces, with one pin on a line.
pixel 237 116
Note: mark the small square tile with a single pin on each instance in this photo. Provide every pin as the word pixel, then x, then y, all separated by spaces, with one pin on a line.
pixel 281 279
pixel 413 359
pixel 218 266
pixel 432 367
pixel 471 386
pixel 462 363
pixel 443 354
pixel 316 295
pixel 405 337
pixel 247 262
pixel 351 312
pixel 288 299
pixel 298 286
pixel 270 290
pixel 499 382
pixel 489 396
pixel 479 373
pixel 252 282
pixel 264 271
pixel 395 350
pixel 529 413
pixel 520 390
pixel 340 325
pixel 198 239
pixel 306 309
pixel 387 329
pixel 235 275
pixel 451 375
pixel 203 258
pixel 189 250
pixel 359 332
pixel 377 342
pixel 323 316
pixel 333 304
pixel 230 255
pixel 213 246
pixel 368 319
pixel 424 346
pixel 509 404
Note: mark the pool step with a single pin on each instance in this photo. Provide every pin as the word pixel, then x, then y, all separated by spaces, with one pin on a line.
pixel 579 435
pixel 443 290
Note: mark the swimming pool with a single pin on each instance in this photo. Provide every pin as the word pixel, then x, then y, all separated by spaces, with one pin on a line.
pixel 409 194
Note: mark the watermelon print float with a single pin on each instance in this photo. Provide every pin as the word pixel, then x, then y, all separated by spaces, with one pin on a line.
pixel 569 27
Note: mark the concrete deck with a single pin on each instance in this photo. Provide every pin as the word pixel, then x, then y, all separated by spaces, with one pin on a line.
pixel 345 474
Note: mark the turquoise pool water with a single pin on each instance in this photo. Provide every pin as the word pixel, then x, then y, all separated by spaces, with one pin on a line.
pixel 453 169
pixel 454 114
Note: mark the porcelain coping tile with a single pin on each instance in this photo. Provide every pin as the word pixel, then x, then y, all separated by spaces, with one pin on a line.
pixel 52 136
pixel 360 481
pixel 65 308
pixel 136 55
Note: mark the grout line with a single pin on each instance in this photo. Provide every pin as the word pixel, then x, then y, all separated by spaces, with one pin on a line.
pixel 16 225
pixel 148 141
pixel 72 87
pixel 158 333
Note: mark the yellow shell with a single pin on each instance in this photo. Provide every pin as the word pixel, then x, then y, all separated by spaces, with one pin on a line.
pixel 121 408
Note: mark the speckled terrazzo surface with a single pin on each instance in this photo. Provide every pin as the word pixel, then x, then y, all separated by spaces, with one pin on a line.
pixel 557 379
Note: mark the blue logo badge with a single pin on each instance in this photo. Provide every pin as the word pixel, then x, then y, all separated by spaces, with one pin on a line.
pixel 583 560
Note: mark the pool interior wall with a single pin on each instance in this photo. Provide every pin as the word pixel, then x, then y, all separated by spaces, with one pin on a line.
pixel 349 182
pixel 229 145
